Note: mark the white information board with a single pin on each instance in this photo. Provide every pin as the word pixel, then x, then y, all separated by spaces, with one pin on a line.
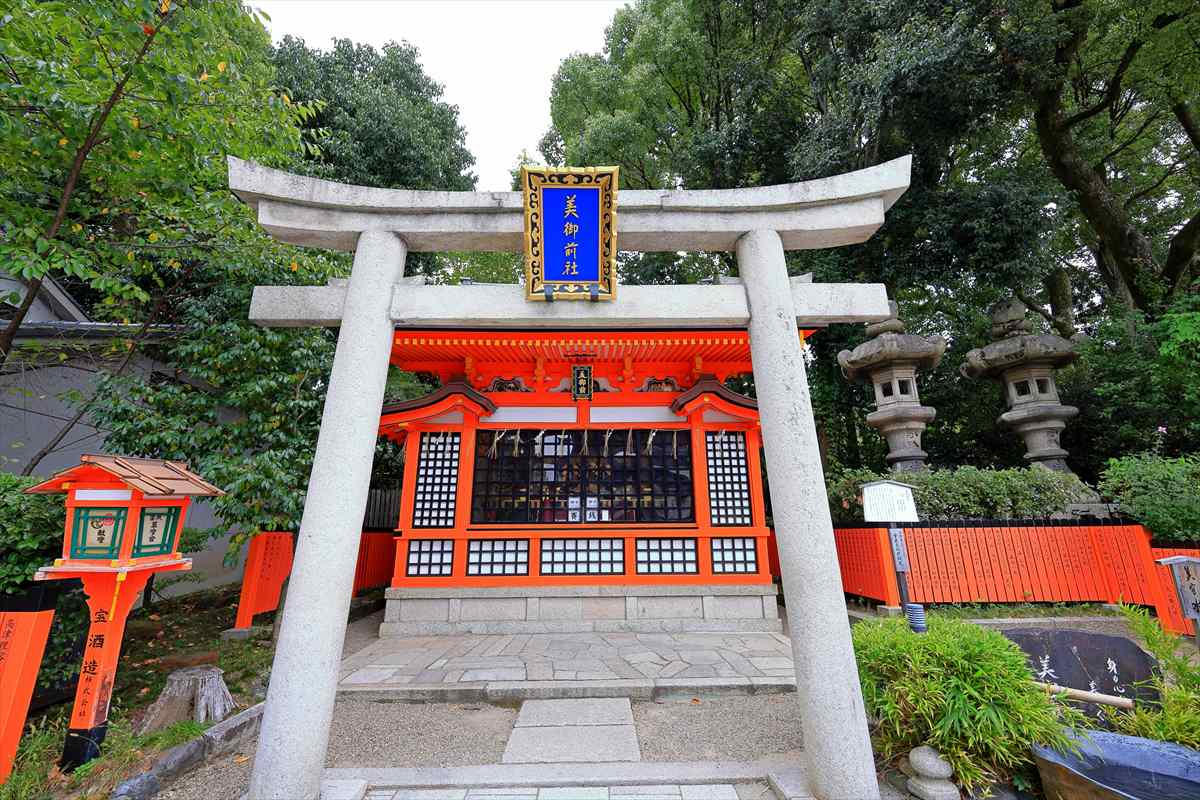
pixel 1186 570
pixel 888 501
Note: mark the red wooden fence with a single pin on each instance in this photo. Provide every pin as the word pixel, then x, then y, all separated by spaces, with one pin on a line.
pixel 1014 563
pixel 866 559
pixel 269 562
pixel 1173 619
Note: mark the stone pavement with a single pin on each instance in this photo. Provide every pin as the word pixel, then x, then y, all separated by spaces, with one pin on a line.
pixel 555 665
pixel 721 791
pixel 573 731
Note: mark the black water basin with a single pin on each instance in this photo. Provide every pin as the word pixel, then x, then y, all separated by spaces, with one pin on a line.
pixel 1111 766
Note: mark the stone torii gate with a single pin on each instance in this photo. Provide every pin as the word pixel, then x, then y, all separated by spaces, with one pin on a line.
pixel 381 226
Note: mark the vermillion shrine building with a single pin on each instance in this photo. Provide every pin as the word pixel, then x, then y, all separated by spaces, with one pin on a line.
pixel 579 481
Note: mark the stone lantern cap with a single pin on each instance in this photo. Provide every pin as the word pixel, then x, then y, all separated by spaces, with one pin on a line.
pixel 1042 349
pixel 891 345
pixel 1016 345
pixel 150 476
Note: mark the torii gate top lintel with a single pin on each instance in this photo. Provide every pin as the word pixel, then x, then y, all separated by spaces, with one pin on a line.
pixel 826 212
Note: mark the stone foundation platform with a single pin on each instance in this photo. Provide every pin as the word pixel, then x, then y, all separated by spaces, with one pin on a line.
pixel 582 609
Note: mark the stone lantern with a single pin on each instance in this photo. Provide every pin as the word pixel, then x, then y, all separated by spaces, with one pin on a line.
pixel 890 361
pixel 1024 362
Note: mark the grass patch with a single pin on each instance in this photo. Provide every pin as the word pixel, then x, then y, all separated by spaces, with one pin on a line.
pixel 36 775
pixel 155 640
pixel 1022 610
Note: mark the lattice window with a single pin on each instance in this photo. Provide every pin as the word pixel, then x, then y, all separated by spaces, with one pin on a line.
pixel 570 476
pixel 728 478
pixel 666 557
pixel 732 554
pixel 498 557
pixel 583 557
pixel 437 480
pixel 430 558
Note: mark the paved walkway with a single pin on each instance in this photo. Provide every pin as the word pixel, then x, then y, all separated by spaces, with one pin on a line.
pixel 551 665
pixel 719 791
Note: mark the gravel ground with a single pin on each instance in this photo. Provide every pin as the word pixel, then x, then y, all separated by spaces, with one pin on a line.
pixel 719 728
pixel 374 734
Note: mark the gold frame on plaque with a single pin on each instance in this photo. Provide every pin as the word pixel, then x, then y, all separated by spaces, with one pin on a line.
pixel 532 181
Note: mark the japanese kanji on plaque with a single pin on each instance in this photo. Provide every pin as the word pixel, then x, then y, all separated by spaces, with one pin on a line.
pixel 570 233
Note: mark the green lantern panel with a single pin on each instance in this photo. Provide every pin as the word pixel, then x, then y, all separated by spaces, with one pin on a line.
pixel 156 531
pixel 97 532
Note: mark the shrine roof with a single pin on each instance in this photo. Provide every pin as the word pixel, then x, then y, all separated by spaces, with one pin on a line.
pixel 411 348
pixel 710 385
pixel 436 396
pixel 150 476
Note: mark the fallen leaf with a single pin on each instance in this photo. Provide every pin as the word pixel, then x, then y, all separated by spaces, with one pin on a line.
pixel 240 759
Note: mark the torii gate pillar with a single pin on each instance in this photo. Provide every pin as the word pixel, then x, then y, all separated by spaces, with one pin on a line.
pixel 382 225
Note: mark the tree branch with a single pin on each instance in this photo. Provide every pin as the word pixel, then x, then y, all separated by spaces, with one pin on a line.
pixel 1187 119
pixel 1181 256
pixel 9 333
pixel 50 446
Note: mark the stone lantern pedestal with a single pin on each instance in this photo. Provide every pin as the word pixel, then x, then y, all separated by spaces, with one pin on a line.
pixel 1025 362
pixel 890 362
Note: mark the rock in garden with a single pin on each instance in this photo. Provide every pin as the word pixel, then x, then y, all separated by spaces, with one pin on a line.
pixel 1093 662
pixel 932 781
pixel 933 789
pixel 928 763
pixel 139 787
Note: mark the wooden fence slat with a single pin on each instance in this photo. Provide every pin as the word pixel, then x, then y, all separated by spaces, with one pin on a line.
pixel 974 563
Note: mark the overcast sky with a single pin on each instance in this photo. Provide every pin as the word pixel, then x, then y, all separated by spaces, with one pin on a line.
pixel 496 58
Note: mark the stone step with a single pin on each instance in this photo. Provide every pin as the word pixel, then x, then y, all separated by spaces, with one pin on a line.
pixel 498 691
pixel 356 783
pixel 574 730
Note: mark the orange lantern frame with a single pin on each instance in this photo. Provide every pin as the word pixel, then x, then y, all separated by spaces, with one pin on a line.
pixel 124 519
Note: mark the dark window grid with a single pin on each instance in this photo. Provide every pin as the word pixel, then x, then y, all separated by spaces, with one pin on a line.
pixel 734 554
pixel 582 557
pixel 434 497
pixel 667 557
pixel 728 478
pixel 535 482
pixel 498 557
pixel 430 558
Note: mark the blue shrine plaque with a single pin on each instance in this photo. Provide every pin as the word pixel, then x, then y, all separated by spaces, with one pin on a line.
pixel 570 233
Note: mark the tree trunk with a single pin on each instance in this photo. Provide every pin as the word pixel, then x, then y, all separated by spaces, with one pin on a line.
pixel 1062 306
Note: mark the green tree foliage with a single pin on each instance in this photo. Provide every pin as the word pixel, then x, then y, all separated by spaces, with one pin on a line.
pixel 31 531
pixel 242 404
pixel 112 115
pixel 716 93
pixel 382 120
pixel 1161 493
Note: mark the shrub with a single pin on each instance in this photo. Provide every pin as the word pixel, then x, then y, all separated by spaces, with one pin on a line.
pixel 964 690
pixel 1161 493
pixel 1176 715
pixel 965 492
pixel 31 531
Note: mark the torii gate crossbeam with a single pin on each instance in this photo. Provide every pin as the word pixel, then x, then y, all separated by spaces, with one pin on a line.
pixel 382 225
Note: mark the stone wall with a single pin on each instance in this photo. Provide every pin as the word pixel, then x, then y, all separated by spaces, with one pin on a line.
pixel 580 609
